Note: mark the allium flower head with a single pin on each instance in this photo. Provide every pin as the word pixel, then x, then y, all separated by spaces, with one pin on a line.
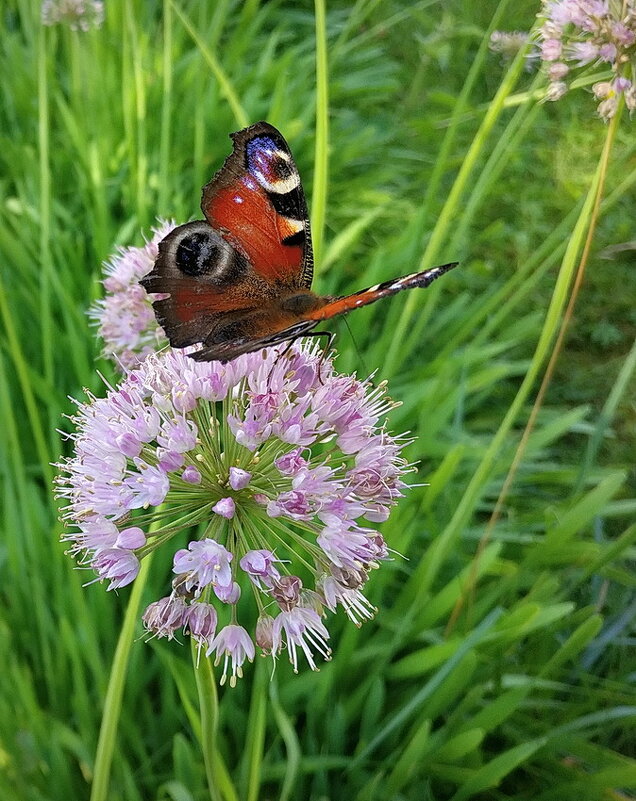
pixel 125 317
pixel 79 15
pixel 263 475
pixel 578 33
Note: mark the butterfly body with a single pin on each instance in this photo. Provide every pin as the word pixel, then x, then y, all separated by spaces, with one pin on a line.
pixel 240 280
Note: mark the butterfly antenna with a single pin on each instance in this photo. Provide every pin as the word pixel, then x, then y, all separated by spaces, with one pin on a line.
pixel 355 345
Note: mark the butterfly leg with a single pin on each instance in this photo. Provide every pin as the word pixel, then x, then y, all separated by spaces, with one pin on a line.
pixel 327 347
pixel 280 355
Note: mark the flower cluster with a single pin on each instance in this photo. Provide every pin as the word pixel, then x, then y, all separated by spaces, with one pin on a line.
pixel 79 15
pixel 268 472
pixel 577 33
pixel 125 319
pixel 508 43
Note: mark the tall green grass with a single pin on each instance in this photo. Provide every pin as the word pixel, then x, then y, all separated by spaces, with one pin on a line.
pixel 498 666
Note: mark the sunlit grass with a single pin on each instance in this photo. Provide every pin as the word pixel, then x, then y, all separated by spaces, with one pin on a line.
pixel 502 675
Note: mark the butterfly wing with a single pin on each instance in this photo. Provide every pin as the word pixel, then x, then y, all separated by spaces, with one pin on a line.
pixel 257 203
pixel 218 277
pixel 207 286
pixel 240 280
pixel 364 297
pixel 323 309
pixel 226 351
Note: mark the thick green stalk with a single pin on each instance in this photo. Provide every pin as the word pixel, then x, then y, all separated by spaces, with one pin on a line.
pixel 255 744
pixel 165 186
pixel 451 209
pixel 115 691
pixel 321 158
pixel 209 707
pixel 225 85
pixel 428 567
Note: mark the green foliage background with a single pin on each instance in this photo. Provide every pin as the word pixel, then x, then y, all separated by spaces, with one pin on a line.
pixel 500 671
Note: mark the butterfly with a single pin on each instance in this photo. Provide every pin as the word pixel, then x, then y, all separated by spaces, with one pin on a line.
pixel 240 280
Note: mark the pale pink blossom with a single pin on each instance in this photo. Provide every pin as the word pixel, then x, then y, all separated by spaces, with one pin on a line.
pixel 125 319
pixel 165 617
pixel 302 629
pixel 233 645
pixel 235 455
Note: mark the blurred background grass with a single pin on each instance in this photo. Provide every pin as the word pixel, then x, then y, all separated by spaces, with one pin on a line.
pixel 529 693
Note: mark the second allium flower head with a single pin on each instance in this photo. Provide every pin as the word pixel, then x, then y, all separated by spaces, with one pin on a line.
pixel 272 466
pixel 575 33
pixel 124 317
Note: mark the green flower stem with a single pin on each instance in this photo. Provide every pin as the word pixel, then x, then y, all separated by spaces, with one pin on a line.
pixel 209 707
pixel 165 165
pixel 450 210
pixel 290 738
pixel 227 89
pixel 423 577
pixel 115 691
pixel 321 163
pixel 44 217
pixel 600 177
pixel 257 728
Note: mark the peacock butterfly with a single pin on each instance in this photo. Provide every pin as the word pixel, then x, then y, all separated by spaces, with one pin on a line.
pixel 240 280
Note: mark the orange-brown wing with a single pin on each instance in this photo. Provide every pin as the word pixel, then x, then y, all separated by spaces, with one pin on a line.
pixel 364 297
pixel 208 286
pixel 226 351
pixel 302 322
pixel 257 203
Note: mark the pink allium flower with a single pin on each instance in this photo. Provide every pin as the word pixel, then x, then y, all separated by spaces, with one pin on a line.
pixel 556 90
pixel 551 50
pixel 239 479
pixel 201 621
pixel 165 617
pixel 352 600
pixel 583 53
pixel 259 566
pixel 79 15
pixel 302 628
pixel 225 507
pixel 558 71
pixel 589 32
pixel 125 319
pixel 574 34
pixel 203 562
pixel 234 645
pixel 264 633
pixel 609 92
pixel 120 565
pixel 276 467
